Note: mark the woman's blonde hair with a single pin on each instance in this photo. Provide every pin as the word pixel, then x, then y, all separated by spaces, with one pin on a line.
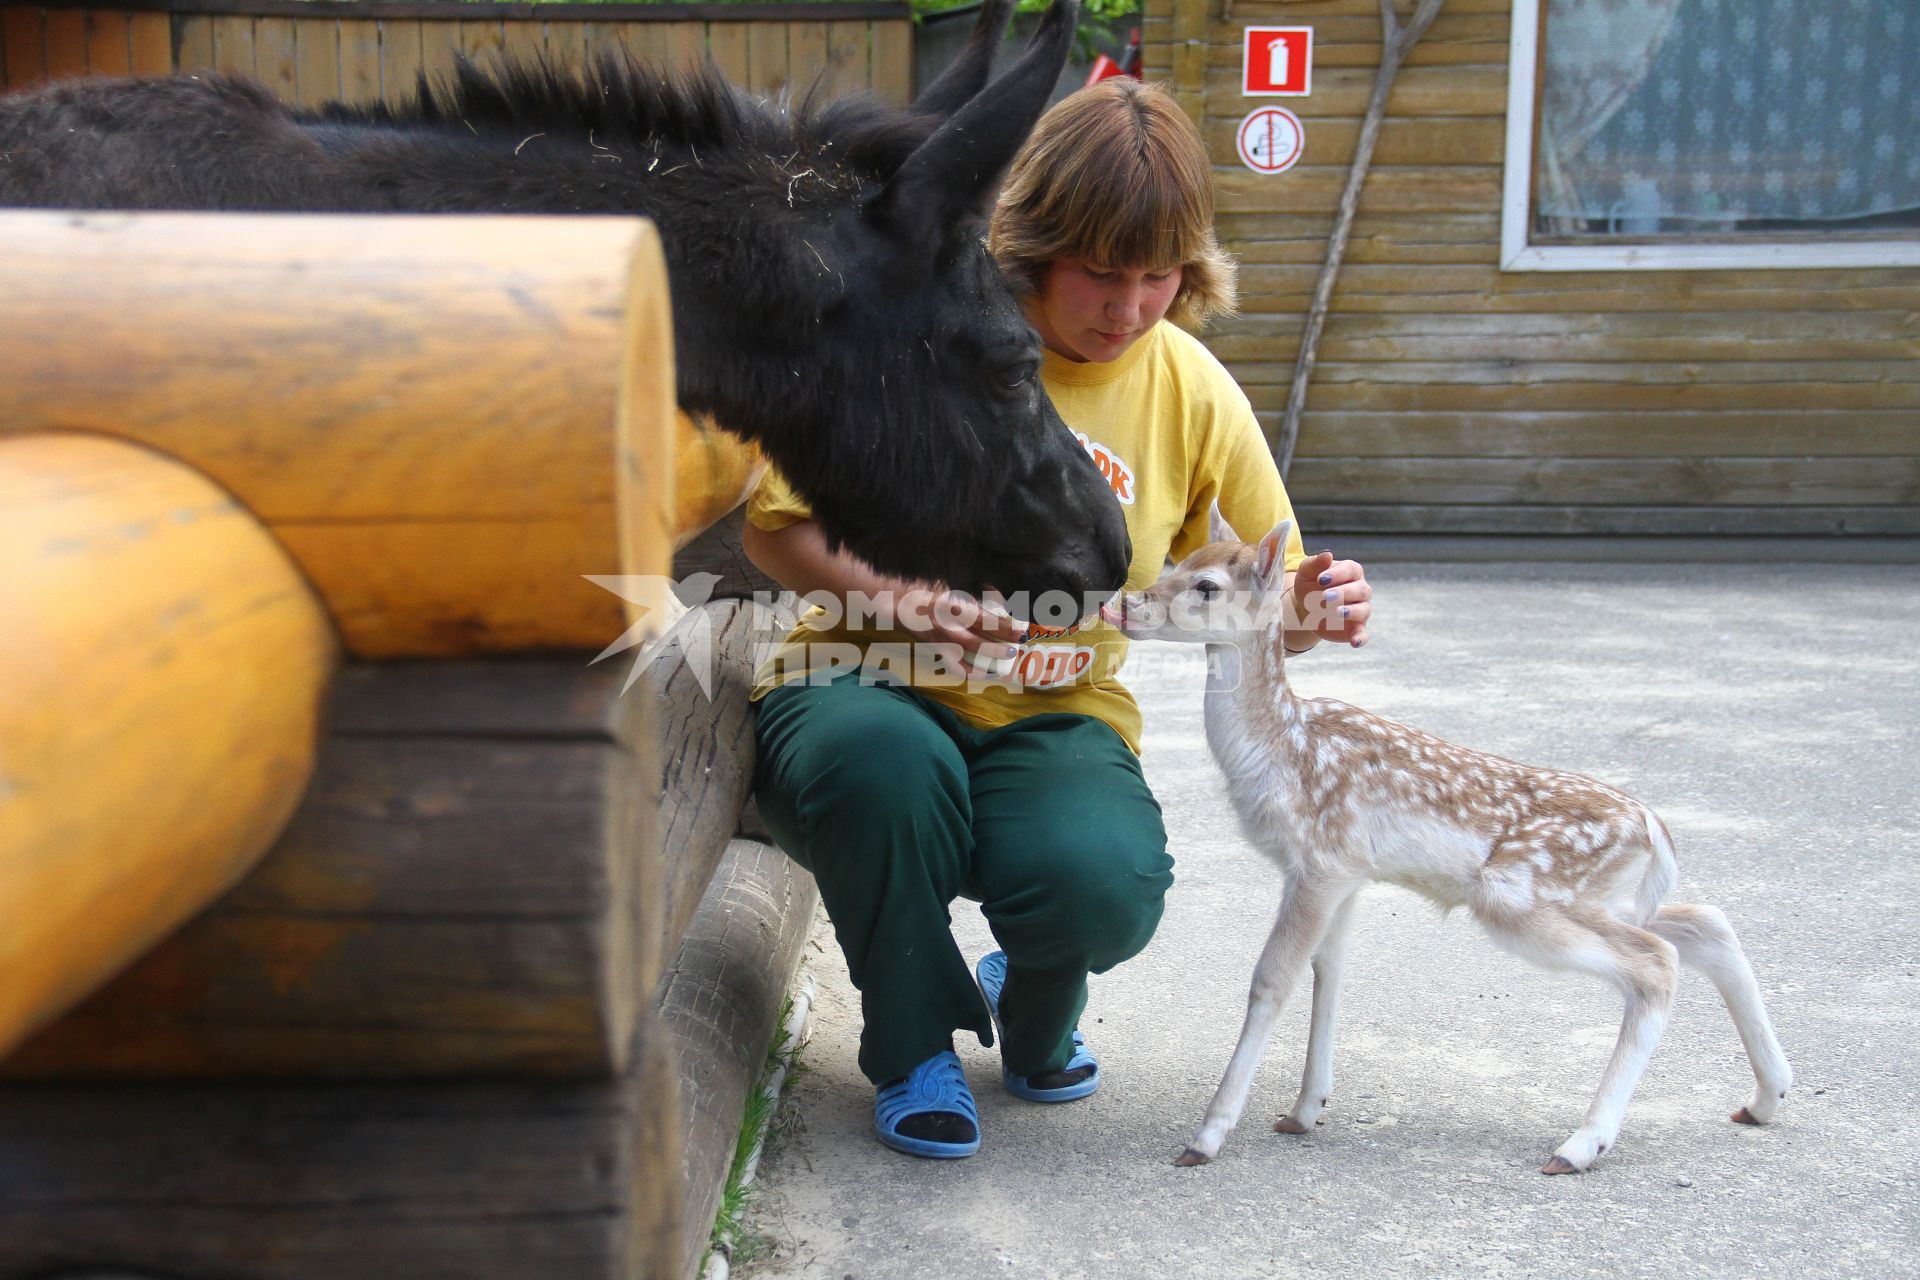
pixel 1115 174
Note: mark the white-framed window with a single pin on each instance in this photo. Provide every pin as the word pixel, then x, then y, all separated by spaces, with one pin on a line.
pixel 1688 134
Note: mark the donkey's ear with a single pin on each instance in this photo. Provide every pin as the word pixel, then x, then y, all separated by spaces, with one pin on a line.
pixel 1270 560
pixel 953 173
pixel 1218 530
pixel 967 74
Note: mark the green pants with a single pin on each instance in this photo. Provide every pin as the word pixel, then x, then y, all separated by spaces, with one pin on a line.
pixel 897 807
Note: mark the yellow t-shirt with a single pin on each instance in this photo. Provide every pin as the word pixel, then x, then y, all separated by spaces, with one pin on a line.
pixel 1173 433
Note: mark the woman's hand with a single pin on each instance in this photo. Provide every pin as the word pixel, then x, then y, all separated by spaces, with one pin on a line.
pixel 987 636
pixel 796 557
pixel 1333 601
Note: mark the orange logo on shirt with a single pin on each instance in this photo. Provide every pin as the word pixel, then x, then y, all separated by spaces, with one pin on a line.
pixel 1045 666
pixel 1118 473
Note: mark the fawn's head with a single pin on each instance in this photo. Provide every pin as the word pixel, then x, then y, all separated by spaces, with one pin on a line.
pixel 1227 592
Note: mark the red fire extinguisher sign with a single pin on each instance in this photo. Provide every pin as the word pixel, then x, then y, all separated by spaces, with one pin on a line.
pixel 1277 62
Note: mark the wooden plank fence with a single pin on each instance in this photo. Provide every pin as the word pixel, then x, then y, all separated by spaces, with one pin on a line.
pixel 1452 396
pixel 315 51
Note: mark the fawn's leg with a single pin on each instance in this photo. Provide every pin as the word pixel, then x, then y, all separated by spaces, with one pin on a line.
pixel 1706 942
pixel 1329 966
pixel 1306 910
pixel 1641 965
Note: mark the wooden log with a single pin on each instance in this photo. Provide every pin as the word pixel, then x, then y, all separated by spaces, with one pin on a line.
pixel 481 409
pixel 1897 377
pixel 1734 482
pixel 1279 237
pixel 721 1004
pixel 1314 187
pixel 163 670
pixel 464 1181
pixel 1640 434
pixel 471 887
pixel 1348 388
pixel 1714 522
pixel 1343 91
pixel 1743 339
pixel 695 691
pixel 718 551
pixel 1486 290
pixel 1474 140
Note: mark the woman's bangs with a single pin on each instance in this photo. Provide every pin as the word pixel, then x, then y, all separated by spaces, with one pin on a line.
pixel 1147 224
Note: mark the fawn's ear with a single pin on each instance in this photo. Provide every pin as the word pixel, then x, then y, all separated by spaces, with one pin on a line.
pixel 1218 530
pixel 1270 558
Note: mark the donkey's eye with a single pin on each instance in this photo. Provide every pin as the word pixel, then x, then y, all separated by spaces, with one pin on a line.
pixel 1019 375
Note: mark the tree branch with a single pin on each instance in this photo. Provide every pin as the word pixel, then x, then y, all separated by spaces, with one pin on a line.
pixel 1422 19
pixel 1395 43
pixel 1389 24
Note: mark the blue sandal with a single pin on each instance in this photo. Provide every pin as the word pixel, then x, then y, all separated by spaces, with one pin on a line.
pixel 991 973
pixel 938 1084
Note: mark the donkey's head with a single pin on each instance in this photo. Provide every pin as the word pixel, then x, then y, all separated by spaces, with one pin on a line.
pixel 941 456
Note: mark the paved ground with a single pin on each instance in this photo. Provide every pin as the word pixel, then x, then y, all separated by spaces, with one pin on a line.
pixel 1771 715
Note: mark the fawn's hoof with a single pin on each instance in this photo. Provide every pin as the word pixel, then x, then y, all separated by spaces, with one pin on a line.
pixel 1744 1116
pixel 1189 1158
pixel 1287 1124
pixel 1559 1164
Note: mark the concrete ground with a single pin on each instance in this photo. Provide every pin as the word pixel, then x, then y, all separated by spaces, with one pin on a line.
pixel 1772 716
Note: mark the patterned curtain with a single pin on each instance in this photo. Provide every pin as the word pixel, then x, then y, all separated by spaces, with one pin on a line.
pixel 1705 115
pixel 1598 54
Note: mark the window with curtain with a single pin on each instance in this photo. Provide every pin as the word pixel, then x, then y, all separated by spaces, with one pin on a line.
pixel 1733 121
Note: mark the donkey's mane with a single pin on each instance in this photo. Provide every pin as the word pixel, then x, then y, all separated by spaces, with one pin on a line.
pixel 618 101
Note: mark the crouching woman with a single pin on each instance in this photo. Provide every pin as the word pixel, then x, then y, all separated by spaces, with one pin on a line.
pixel 1019 786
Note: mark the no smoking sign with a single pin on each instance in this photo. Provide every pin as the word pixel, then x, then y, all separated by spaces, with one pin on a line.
pixel 1271 140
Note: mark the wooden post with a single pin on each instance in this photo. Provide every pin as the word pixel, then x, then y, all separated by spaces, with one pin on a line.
pixel 1396 42
pixel 161 673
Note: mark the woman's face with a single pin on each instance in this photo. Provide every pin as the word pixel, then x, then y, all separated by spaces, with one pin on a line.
pixel 1089 312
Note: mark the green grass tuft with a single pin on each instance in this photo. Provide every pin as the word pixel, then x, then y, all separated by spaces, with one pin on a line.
pixel 729 1226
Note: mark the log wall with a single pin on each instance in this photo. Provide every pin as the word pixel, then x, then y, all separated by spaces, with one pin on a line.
pixel 435 1031
pixel 526 1180
pixel 1451 396
pixel 314 51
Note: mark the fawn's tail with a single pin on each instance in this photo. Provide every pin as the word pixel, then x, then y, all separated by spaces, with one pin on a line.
pixel 1662 870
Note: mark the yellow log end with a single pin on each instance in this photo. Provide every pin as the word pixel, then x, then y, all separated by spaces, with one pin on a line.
pixel 162 665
